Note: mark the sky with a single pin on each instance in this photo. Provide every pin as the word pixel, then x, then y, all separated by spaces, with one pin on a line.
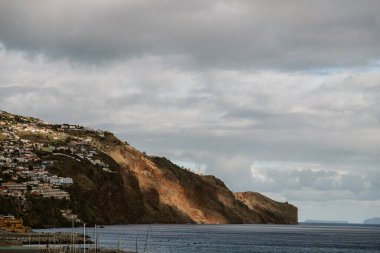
pixel 279 97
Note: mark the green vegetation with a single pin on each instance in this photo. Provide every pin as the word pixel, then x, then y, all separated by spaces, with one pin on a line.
pixel 56 139
pixel 98 196
pixel 40 212
pixel 9 205
pixel 2 137
pixel 186 177
pixel 45 212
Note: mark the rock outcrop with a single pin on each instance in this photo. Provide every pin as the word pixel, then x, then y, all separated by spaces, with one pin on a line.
pixel 270 211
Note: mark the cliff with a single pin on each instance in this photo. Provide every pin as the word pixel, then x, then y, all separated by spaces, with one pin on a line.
pixel 112 182
pixel 270 211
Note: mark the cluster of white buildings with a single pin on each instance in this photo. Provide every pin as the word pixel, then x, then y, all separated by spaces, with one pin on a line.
pixel 69 215
pixel 21 170
pixel 25 147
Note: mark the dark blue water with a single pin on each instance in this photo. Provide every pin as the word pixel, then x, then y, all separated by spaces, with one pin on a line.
pixel 239 238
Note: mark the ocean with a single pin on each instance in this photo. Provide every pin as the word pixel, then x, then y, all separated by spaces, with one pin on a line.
pixel 237 238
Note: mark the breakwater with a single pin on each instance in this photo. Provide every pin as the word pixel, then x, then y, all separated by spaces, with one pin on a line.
pixel 58 250
pixel 59 238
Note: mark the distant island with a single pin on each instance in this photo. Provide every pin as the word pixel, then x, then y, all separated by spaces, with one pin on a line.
pixel 327 221
pixel 88 175
pixel 374 220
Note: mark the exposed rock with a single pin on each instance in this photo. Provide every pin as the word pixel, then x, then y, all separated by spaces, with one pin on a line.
pixel 270 211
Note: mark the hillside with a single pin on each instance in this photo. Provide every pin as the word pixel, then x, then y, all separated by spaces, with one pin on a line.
pixel 51 174
pixel 269 210
pixel 373 221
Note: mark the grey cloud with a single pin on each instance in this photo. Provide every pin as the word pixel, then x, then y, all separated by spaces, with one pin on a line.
pixel 8 91
pixel 214 34
pixel 354 183
pixel 374 178
pixel 275 120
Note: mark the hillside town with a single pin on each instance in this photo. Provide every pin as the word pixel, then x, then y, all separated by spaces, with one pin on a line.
pixel 27 144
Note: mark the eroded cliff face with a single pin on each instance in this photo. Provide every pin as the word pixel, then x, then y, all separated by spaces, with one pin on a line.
pixel 175 195
pixel 269 210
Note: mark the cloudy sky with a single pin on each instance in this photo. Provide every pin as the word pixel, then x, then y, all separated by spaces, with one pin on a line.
pixel 281 97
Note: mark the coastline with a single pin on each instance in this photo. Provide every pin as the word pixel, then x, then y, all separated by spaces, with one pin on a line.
pixel 35 238
pixel 17 243
pixel 22 249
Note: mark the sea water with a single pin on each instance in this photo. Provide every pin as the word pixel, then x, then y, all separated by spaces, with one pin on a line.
pixel 237 238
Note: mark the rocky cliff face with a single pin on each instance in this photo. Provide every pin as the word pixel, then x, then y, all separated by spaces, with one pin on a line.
pixel 270 211
pixel 172 194
pixel 115 183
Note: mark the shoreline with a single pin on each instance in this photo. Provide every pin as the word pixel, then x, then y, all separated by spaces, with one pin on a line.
pixel 35 238
pixel 21 249
pixel 26 249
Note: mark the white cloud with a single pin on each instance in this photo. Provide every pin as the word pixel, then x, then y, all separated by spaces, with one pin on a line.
pixel 260 176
